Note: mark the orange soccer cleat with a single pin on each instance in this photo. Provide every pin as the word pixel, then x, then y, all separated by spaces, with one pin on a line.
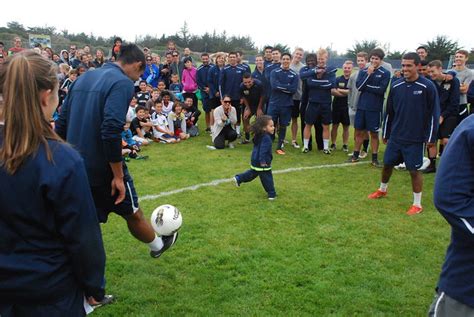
pixel 414 210
pixel 377 194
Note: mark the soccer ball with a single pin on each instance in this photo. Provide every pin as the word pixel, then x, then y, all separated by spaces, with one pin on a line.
pixel 166 220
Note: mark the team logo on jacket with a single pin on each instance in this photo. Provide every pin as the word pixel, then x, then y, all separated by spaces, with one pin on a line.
pixel 378 76
pixel 246 92
pixel 447 86
pixel 418 92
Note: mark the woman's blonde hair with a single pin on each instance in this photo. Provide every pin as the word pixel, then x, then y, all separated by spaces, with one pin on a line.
pixel 22 78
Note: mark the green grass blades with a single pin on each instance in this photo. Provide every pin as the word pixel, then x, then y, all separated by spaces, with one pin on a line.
pixel 320 249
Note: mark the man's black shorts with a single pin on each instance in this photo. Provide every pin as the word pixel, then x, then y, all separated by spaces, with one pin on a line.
pixel 105 203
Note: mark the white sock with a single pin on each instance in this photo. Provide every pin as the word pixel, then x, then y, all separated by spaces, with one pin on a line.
pixel 156 244
pixel 383 187
pixel 237 129
pixel 326 144
pixel 417 199
pixel 305 143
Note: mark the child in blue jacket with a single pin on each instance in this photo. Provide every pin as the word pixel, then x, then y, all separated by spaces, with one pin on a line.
pixel 261 160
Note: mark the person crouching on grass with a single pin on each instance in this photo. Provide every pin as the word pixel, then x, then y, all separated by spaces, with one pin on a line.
pixel 261 159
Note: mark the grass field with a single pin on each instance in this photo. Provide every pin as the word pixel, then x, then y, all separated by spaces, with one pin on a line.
pixel 321 249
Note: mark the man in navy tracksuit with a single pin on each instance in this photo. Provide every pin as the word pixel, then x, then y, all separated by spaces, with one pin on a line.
pixel 372 83
pixel 320 81
pixel 203 85
pixel 230 80
pixel 92 119
pixel 454 199
pixel 411 120
pixel 276 56
pixel 284 83
pixel 449 95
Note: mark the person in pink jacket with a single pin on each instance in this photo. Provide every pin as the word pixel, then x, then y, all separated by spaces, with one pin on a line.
pixel 189 81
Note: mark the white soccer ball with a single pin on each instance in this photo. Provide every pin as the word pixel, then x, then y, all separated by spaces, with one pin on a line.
pixel 166 220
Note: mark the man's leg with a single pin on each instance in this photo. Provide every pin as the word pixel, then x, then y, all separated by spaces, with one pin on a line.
pixel 303 109
pixel 374 144
pixel 387 171
pixel 334 128
pixel 139 227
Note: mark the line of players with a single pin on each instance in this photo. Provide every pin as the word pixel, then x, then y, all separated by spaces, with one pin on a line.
pixel 285 88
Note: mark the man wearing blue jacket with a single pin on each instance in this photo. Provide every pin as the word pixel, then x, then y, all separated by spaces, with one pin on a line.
pixel 203 85
pixel 411 120
pixel 229 84
pixel 449 94
pixel 284 83
pixel 320 81
pixel 92 119
pixel 372 83
pixel 454 199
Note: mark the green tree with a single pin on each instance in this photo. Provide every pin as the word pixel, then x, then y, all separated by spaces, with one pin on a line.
pixel 441 47
pixel 364 46
pixel 397 55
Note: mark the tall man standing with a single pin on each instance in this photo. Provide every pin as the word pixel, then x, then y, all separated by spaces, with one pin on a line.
pixel 465 77
pixel 92 119
pixel 296 65
pixel 372 83
pixel 284 83
pixel 411 120
pixel 203 85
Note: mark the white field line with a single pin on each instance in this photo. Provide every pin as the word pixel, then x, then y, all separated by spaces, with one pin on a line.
pixel 227 180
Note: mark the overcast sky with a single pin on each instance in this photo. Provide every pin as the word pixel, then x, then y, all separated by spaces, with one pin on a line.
pixel 400 25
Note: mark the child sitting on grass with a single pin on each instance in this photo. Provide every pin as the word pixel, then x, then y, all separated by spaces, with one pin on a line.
pixel 261 159
pixel 192 115
pixel 161 131
pixel 141 126
pixel 177 122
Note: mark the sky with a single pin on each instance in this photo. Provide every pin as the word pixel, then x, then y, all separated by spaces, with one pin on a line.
pixel 396 25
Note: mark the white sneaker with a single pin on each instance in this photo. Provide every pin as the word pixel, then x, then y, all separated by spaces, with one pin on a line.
pixel 211 147
pixel 231 146
pixel 401 167
pixel 295 144
pixel 363 154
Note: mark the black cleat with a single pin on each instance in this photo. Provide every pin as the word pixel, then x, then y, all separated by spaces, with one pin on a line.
pixel 168 242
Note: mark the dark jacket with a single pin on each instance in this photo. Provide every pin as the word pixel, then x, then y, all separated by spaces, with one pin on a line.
pixel 261 159
pixel 50 239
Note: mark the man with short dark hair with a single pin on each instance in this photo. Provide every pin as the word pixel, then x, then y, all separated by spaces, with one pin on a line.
pixel 91 120
pixel 252 94
pixel 284 83
pixel 372 83
pixel 448 91
pixel 411 120
pixel 229 84
pixel 267 54
pixel 422 52
pixel 203 86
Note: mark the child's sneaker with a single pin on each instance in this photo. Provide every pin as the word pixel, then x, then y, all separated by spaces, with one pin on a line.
pixel 236 181
pixel 271 198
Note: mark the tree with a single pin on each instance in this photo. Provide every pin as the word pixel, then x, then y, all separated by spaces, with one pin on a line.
pixel 364 46
pixel 441 47
pixel 184 32
pixel 282 47
pixel 397 55
pixel 15 26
